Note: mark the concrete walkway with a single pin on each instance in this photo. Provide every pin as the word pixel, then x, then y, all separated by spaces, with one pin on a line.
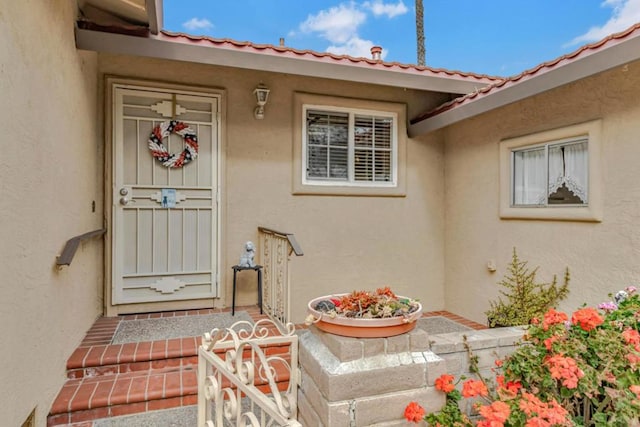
pixel 184 416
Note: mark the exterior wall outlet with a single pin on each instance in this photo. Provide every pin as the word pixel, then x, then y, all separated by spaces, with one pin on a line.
pixel 491 266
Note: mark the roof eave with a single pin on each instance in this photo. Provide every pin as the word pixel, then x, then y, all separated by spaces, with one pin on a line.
pixel 588 65
pixel 142 13
pixel 155 47
pixel 154 12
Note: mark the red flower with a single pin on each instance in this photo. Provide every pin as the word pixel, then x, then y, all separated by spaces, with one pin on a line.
pixel 386 291
pixel 566 369
pixel 495 414
pixel 499 363
pixel 631 336
pixel 635 389
pixel 530 404
pixel 634 359
pixel 511 386
pixel 414 412
pixel 537 422
pixel 541 413
pixel 556 414
pixel 444 383
pixel 588 318
pixel 549 341
pixel 610 377
pixel 472 388
pixel 553 317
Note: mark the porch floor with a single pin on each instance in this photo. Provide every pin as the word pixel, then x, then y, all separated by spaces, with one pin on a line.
pixel 108 380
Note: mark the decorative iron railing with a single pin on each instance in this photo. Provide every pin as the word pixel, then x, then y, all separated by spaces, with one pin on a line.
pixel 237 365
pixel 275 251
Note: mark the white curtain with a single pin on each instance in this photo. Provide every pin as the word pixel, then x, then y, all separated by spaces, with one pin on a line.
pixel 530 177
pixel 569 165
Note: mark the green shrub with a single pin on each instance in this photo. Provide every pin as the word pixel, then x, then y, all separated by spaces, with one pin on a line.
pixel 524 298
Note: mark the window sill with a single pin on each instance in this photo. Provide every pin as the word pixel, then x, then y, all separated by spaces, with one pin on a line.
pixel 348 190
pixel 591 213
pixel 586 214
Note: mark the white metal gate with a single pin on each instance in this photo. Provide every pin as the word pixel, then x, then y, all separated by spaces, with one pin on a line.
pixel 234 362
pixel 164 245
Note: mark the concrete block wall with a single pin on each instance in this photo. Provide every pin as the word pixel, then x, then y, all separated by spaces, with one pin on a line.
pixel 355 382
pixel 365 382
pixel 487 345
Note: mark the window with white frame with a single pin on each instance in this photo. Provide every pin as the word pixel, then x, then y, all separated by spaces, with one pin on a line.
pixel 550 174
pixel 553 175
pixel 343 146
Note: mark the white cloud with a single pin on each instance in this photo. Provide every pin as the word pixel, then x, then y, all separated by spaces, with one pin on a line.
pixel 355 47
pixel 391 10
pixel 197 24
pixel 337 24
pixel 340 25
pixel 625 14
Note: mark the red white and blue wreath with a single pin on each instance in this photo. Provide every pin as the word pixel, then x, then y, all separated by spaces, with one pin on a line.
pixel 160 152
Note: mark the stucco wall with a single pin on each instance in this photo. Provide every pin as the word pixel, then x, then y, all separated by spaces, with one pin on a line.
pixel 50 172
pixel 349 242
pixel 602 256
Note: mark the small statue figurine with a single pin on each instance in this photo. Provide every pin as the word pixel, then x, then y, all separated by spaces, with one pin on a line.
pixel 246 259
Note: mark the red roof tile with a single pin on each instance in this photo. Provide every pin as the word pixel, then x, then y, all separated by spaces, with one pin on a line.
pixel 285 51
pixel 583 51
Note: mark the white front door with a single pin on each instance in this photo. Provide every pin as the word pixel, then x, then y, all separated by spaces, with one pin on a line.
pixel 163 250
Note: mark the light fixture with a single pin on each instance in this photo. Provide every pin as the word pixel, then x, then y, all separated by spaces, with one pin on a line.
pixel 262 94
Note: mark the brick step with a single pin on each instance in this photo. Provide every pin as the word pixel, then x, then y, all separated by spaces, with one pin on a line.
pixel 89 398
pixel 107 380
pixel 102 396
pixel 131 357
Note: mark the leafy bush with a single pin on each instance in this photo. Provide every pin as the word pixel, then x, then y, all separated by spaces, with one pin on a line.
pixel 525 299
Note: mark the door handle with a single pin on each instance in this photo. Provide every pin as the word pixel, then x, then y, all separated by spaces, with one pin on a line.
pixel 125 201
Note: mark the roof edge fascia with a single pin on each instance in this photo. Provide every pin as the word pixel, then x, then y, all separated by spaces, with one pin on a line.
pixel 154 11
pixel 154 47
pixel 593 63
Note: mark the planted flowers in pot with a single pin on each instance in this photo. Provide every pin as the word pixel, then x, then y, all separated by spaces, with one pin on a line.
pixel 364 314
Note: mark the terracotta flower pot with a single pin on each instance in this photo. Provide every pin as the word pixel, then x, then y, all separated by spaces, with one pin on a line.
pixel 358 327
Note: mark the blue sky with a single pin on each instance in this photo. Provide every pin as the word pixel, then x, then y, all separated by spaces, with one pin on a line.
pixel 496 37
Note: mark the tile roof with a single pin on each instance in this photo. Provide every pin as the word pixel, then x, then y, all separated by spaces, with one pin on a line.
pixel 581 52
pixel 285 51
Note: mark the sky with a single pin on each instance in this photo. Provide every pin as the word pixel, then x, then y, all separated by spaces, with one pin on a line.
pixel 494 37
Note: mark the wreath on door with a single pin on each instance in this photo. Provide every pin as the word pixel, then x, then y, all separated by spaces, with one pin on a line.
pixel 160 152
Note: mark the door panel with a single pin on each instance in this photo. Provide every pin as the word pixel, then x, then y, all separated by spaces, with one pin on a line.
pixel 159 253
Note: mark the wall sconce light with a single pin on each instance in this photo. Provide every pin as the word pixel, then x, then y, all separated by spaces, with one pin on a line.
pixel 262 94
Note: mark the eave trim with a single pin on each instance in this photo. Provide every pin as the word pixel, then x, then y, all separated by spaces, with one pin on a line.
pixel 154 12
pixel 588 65
pixel 154 47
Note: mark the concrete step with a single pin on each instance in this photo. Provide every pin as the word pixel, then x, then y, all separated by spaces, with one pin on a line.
pixel 186 416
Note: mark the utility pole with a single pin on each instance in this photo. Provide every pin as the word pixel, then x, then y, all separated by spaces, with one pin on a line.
pixel 420 31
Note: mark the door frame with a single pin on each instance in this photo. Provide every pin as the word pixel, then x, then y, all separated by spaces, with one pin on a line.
pixel 110 82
